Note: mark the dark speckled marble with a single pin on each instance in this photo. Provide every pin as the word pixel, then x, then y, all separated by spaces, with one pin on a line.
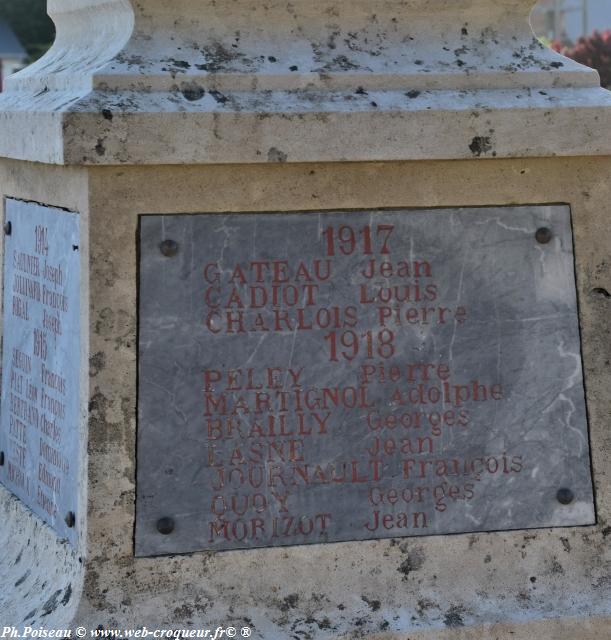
pixel 296 387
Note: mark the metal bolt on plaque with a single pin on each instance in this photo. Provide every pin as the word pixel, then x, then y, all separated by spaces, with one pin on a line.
pixel 565 496
pixel 169 248
pixel 8 228
pixel 70 519
pixel 1 458
pixel 165 526
pixel 543 235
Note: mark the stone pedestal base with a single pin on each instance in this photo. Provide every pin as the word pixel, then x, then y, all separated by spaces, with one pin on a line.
pixel 506 584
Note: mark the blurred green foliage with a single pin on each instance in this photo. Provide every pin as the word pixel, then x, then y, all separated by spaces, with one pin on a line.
pixel 31 24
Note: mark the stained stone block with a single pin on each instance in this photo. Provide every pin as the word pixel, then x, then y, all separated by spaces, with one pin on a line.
pixel 355 375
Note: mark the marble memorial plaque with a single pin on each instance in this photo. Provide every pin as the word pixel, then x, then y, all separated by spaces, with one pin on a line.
pixel 39 426
pixel 322 377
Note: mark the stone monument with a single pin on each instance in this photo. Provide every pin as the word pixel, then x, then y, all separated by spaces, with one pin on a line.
pixel 306 308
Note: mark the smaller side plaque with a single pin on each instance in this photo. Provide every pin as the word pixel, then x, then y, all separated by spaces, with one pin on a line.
pixel 41 361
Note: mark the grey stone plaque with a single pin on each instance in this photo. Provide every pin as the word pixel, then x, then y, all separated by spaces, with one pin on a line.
pixel 39 426
pixel 320 377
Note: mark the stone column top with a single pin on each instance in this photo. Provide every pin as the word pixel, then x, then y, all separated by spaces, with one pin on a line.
pixel 210 81
pixel 303 44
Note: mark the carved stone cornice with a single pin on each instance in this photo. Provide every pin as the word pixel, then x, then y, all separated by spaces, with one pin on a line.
pixel 213 81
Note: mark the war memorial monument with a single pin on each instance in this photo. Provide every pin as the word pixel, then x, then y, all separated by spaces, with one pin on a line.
pixel 306 325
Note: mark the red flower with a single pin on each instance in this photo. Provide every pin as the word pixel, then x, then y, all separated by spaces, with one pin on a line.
pixel 593 51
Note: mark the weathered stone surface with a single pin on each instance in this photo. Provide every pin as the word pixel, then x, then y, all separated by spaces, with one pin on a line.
pixel 421 584
pixel 39 435
pixel 357 375
pixel 342 80
pixel 548 583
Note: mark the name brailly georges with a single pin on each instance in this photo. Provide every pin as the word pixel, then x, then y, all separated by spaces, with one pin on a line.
pixel 259 423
